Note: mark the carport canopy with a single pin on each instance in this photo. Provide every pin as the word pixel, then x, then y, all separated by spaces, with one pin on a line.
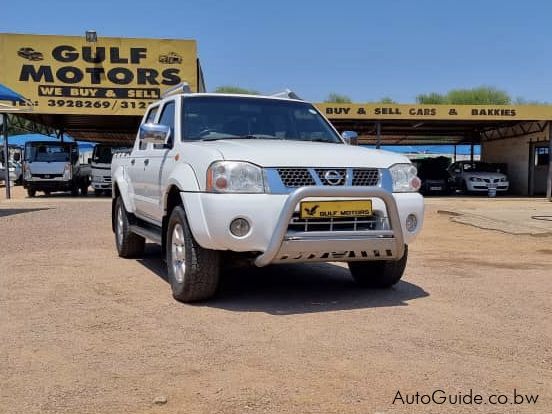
pixel 385 124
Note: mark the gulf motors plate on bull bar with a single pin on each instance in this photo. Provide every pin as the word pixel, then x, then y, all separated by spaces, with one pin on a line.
pixel 335 209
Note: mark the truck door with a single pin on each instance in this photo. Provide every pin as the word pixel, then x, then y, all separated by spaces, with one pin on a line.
pixel 159 158
pixel 137 170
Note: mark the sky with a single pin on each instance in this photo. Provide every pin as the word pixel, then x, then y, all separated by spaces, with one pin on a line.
pixel 363 49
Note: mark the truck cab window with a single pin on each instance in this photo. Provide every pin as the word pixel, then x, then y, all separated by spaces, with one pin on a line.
pixel 150 118
pixel 167 118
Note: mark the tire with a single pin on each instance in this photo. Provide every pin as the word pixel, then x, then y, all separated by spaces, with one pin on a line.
pixel 97 192
pixel 464 187
pixel 84 190
pixel 193 271
pixel 31 192
pixel 128 244
pixel 379 274
pixel 47 193
pixel 74 191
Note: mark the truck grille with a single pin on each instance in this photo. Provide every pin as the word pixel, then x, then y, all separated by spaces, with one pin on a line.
pixel 365 176
pixel 296 177
pixel 336 224
pixel 46 176
pixel 301 177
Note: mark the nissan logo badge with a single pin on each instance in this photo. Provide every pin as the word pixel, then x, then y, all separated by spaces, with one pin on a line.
pixel 333 177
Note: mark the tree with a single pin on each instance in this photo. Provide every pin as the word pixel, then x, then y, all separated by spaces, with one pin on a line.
pixel 387 100
pixel 235 90
pixel 337 98
pixel 483 95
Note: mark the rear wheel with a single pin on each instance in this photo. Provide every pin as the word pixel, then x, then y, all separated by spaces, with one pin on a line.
pixel 128 244
pixel 31 192
pixel 193 271
pixel 379 274
pixel 84 190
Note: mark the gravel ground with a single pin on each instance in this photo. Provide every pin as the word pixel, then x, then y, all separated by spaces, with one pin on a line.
pixel 83 331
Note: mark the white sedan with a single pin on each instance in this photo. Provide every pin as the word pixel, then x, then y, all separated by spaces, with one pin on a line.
pixel 478 177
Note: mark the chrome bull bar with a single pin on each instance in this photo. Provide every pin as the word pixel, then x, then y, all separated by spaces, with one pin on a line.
pixel 390 241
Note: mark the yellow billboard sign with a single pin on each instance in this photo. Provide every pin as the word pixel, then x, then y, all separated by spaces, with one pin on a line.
pixel 112 76
pixel 436 112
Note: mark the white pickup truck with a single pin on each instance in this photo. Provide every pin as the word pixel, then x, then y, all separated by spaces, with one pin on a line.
pixel 263 178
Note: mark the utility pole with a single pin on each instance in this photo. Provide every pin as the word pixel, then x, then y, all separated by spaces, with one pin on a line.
pixel 549 184
pixel 6 156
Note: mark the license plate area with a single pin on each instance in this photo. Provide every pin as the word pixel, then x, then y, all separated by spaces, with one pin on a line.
pixel 335 209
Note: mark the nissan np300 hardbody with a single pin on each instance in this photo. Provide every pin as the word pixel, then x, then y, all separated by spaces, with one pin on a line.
pixel 267 178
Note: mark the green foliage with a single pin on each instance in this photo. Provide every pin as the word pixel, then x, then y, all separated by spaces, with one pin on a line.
pixel 522 101
pixel 337 98
pixel 483 95
pixel 387 100
pixel 235 90
pixel 432 98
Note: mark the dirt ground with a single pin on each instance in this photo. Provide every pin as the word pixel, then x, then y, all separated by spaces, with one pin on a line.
pixel 83 331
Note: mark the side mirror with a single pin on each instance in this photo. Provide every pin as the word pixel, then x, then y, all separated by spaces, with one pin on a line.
pixel 350 137
pixel 17 156
pixel 154 133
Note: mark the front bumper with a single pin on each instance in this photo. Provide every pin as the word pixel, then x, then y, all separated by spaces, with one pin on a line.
pixel 484 186
pixel 101 182
pixel 210 215
pixel 55 184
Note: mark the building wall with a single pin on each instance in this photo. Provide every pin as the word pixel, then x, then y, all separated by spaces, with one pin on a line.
pixel 516 153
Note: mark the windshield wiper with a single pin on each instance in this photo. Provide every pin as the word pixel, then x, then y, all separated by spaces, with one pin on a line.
pixel 322 140
pixel 249 136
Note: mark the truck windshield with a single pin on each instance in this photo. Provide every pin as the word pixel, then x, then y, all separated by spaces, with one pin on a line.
pixel 47 152
pixel 103 154
pixel 211 118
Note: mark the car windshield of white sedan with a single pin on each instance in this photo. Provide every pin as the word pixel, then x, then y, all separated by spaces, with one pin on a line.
pixel 210 118
pixel 481 167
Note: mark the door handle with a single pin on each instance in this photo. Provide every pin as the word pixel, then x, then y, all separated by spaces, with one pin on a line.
pixel 146 162
pixel 132 161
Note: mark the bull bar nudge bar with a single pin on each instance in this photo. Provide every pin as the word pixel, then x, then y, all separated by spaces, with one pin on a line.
pixel 392 241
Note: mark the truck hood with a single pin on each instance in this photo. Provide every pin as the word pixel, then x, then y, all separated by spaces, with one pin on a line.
pixel 287 153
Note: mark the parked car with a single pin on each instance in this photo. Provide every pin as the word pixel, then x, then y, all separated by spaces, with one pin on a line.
pixel 16 172
pixel 101 166
pixel 478 177
pixel 434 175
pixel 264 179
pixel 53 166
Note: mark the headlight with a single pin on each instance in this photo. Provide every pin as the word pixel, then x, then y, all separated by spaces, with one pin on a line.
pixel 235 177
pixel 67 172
pixel 404 178
pixel 475 179
pixel 503 179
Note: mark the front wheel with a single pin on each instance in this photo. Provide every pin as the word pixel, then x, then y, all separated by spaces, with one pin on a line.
pixel 193 271
pixel 379 274
pixel 31 192
pixel 128 243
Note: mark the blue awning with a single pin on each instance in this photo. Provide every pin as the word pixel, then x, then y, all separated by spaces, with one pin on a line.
pixel 6 94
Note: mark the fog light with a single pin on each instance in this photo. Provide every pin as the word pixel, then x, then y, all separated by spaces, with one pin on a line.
pixel 239 227
pixel 411 223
